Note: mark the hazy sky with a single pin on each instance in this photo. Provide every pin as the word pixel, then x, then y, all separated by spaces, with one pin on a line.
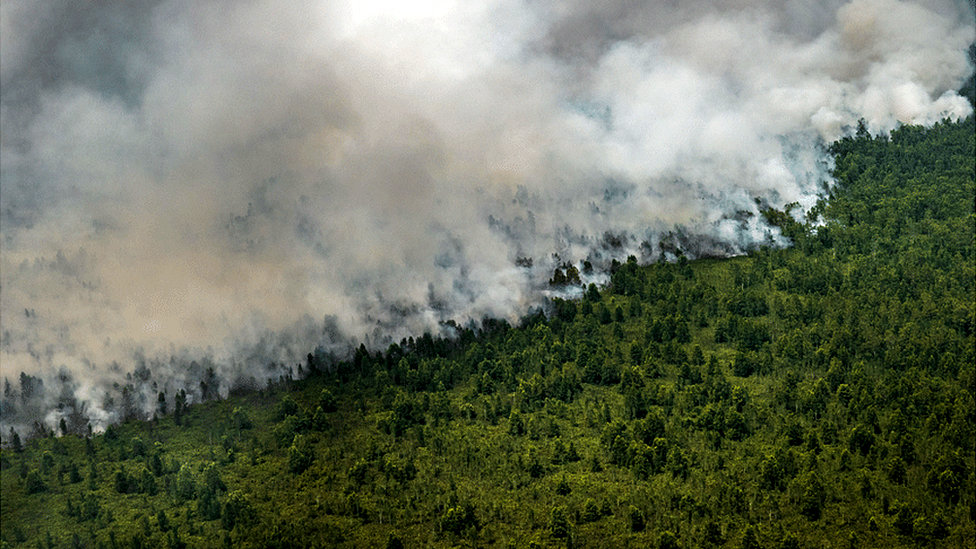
pixel 210 176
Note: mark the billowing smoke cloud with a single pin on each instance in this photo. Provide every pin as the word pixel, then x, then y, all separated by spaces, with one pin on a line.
pixel 238 182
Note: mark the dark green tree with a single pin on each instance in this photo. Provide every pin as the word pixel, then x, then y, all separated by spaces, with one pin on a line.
pixel 750 539
pixel 814 496
pixel 637 520
pixel 559 526
pixel 668 540
pixel 394 541
pixel 34 483
pixel 300 455
pixel 328 401
pixel 237 510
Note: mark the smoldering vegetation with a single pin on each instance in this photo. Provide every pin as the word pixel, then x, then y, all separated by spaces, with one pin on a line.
pixel 195 195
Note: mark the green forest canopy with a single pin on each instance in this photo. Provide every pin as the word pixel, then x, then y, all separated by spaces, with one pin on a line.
pixel 816 396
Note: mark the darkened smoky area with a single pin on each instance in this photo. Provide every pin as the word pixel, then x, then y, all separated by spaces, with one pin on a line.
pixel 199 198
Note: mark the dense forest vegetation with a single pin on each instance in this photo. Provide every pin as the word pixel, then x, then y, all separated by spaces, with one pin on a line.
pixel 816 396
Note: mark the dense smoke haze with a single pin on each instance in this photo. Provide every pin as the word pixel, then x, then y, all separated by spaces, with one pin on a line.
pixel 230 184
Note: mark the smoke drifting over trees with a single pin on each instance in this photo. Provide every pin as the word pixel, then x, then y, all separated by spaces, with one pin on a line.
pixel 210 180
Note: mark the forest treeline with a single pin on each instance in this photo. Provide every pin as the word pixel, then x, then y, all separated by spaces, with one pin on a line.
pixel 815 396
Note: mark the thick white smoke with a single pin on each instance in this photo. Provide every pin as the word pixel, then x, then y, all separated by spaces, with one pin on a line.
pixel 211 179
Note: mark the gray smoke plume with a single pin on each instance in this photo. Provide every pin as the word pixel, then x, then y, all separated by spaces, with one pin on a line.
pixel 193 190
